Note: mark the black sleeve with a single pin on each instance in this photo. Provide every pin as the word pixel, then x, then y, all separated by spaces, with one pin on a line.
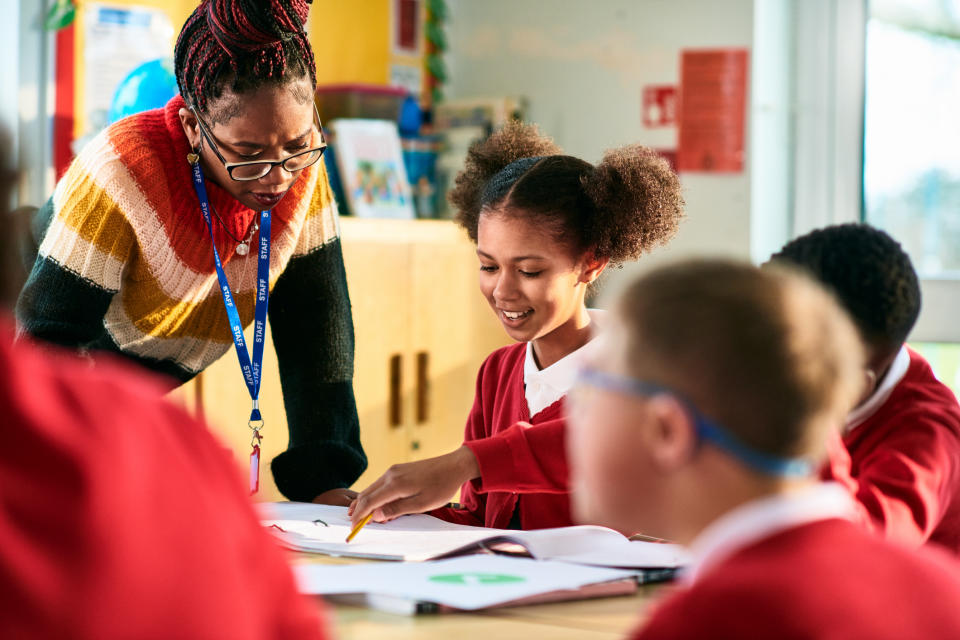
pixel 312 331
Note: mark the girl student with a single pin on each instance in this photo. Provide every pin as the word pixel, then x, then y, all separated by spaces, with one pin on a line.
pixel 546 225
pixel 174 228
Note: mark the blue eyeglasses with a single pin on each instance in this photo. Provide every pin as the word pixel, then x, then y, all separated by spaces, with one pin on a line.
pixel 706 429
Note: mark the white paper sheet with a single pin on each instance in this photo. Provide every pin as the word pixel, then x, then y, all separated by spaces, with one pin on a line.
pixel 323 529
pixel 469 582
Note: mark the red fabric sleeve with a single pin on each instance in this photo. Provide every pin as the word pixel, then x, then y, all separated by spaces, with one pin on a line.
pixel 471 512
pixel 525 458
pixel 905 483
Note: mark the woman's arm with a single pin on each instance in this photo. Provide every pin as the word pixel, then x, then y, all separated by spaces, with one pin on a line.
pixel 313 336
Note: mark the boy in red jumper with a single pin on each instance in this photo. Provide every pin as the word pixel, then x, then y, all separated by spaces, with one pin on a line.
pixel 702 419
pixel 901 455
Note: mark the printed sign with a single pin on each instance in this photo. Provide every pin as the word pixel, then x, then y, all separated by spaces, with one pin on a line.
pixel 713 99
pixel 659 106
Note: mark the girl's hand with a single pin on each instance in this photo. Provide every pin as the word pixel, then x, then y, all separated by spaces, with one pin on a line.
pixel 415 487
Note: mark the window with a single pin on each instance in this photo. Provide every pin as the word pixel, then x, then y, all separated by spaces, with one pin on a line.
pixel 944 359
pixel 911 174
pixel 912 132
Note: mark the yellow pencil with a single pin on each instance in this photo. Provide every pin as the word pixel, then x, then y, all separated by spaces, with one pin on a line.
pixel 359 526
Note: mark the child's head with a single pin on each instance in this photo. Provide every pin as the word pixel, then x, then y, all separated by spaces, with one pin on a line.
pixel 766 357
pixel 547 224
pixel 872 277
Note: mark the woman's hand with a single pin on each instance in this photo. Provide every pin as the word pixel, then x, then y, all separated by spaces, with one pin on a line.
pixel 415 487
pixel 338 497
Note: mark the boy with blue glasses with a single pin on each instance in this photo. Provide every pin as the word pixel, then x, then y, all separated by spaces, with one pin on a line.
pixel 702 419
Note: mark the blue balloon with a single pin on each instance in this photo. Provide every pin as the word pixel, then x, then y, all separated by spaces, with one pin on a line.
pixel 149 86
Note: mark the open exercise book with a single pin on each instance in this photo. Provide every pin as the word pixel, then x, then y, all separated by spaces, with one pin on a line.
pixel 323 529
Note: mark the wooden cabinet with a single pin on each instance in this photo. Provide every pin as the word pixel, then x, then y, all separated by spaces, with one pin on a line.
pixel 422 331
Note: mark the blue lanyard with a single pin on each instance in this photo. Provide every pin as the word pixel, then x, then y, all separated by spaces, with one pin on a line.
pixel 251 368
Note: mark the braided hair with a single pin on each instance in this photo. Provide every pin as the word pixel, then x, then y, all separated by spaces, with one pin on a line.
pixel 241 45
pixel 618 209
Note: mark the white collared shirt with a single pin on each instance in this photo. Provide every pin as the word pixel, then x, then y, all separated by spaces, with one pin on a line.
pixel 543 387
pixel 762 518
pixel 898 369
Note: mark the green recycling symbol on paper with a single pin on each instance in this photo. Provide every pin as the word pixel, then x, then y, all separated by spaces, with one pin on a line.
pixel 476 579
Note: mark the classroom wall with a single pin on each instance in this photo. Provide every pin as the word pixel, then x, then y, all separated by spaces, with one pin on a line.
pixel 351 41
pixel 177 10
pixel 582 66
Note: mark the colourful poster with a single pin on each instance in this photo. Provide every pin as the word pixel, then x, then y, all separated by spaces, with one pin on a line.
pixel 116 41
pixel 713 103
pixel 370 162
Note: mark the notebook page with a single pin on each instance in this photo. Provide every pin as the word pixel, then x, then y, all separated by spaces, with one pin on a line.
pixel 324 528
pixel 633 554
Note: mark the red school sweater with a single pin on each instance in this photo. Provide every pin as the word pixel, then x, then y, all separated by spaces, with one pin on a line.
pixel 499 405
pixel 827 579
pixel 122 517
pixel 903 462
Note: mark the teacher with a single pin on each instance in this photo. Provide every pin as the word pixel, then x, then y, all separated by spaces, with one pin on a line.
pixel 174 228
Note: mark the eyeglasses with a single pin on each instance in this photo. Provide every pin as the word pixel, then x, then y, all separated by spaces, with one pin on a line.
pixel 256 169
pixel 706 429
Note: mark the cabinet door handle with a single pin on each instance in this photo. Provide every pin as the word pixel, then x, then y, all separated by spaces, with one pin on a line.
pixel 423 387
pixel 395 407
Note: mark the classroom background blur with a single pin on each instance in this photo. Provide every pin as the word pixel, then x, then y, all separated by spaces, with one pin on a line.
pixel 780 115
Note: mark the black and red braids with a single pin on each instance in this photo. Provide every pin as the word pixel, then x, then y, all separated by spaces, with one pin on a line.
pixel 247 43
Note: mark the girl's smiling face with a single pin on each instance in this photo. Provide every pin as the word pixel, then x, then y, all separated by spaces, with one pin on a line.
pixel 534 283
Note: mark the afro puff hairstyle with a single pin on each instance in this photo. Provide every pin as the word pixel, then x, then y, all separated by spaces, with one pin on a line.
pixel 619 209
pixel 869 272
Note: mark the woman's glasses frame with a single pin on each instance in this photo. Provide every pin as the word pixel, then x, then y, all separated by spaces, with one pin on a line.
pixel 267 165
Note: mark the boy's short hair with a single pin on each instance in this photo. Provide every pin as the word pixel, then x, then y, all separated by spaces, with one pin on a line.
pixel 768 353
pixel 869 272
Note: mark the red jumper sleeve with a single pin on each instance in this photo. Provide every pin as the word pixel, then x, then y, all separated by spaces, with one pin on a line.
pixel 525 458
pixel 904 484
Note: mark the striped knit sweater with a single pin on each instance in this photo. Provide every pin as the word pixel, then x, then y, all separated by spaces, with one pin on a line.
pixel 125 265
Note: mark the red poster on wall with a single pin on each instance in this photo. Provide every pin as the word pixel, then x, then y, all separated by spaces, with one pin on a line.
pixel 713 102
